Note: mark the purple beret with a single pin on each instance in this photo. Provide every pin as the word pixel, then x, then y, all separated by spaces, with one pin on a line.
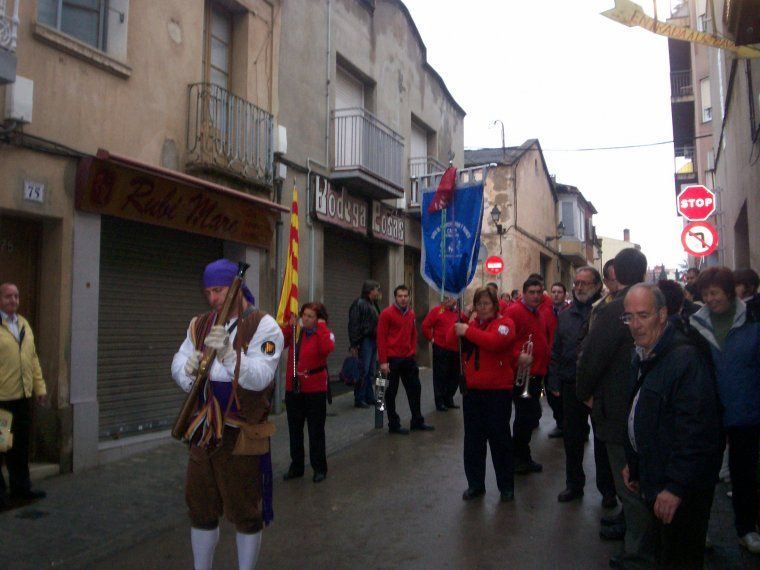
pixel 221 273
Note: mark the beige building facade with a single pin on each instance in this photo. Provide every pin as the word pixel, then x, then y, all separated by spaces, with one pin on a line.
pixel 138 146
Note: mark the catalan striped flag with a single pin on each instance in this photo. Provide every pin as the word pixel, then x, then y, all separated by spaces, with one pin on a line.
pixel 289 296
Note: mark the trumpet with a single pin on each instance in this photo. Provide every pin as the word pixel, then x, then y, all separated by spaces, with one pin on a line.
pixel 522 380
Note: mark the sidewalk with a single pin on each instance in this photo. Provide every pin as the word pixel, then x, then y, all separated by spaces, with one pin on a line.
pixel 87 516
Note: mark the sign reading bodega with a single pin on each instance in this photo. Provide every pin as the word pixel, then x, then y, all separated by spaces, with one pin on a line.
pixel 339 207
pixel 115 190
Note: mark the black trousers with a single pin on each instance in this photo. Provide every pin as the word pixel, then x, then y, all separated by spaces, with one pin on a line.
pixel 527 416
pixel 406 370
pixel 445 374
pixel 575 428
pixel 310 408
pixel 486 421
pixel 681 544
pixel 742 464
pixel 17 457
pixel 555 403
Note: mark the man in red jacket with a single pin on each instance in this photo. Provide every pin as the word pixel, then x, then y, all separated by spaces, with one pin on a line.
pixel 396 348
pixel 435 327
pixel 529 322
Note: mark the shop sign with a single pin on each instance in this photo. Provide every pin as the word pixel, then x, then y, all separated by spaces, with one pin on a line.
pixel 338 207
pixel 387 225
pixel 114 190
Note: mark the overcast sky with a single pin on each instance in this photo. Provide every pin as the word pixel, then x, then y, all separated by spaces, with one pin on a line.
pixel 558 71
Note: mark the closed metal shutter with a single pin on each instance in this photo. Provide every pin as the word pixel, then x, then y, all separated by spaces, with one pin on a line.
pixel 150 288
pixel 347 266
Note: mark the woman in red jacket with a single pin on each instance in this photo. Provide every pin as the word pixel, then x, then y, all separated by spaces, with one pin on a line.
pixel 487 405
pixel 306 400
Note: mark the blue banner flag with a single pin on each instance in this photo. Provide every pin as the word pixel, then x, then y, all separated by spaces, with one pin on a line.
pixel 452 272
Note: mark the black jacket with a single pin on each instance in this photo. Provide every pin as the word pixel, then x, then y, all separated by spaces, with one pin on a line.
pixel 604 368
pixel 677 423
pixel 567 338
pixel 362 321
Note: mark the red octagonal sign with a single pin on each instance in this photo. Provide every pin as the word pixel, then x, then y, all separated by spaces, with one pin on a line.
pixel 494 265
pixel 696 203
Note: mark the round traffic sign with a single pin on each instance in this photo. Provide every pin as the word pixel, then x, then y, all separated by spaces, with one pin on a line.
pixel 696 202
pixel 699 239
pixel 494 265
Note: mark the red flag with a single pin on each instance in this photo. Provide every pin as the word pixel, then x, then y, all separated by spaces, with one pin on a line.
pixel 445 192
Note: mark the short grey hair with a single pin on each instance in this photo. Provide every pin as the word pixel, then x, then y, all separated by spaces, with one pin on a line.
pixel 593 270
pixel 659 297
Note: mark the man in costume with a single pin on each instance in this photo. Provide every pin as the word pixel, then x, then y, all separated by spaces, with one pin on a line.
pixel 230 469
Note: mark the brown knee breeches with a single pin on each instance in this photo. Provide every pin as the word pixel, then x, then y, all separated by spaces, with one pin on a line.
pixel 221 483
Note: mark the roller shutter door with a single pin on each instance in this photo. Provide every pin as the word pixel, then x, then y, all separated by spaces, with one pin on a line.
pixel 347 266
pixel 150 281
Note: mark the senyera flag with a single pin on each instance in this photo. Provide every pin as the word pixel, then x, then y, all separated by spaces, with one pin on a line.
pixel 445 192
pixel 451 238
pixel 288 304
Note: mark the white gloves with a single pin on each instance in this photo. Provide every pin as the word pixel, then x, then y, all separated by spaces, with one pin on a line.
pixel 193 361
pixel 219 339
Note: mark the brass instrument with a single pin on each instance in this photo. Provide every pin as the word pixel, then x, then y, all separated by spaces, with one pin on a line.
pixel 522 380
pixel 191 401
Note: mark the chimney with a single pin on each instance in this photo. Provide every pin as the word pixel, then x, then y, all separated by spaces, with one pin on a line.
pixel 626 234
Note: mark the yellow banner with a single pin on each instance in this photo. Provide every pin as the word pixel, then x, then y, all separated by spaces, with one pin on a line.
pixel 631 14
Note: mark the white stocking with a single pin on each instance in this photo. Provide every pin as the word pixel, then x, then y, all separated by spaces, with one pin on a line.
pixel 248 546
pixel 204 543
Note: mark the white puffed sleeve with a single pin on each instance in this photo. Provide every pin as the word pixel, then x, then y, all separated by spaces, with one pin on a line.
pixel 178 364
pixel 259 364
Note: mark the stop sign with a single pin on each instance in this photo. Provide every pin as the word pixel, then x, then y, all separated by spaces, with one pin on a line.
pixel 696 203
pixel 494 265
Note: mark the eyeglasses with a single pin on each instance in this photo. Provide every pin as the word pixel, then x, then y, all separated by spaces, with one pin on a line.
pixel 583 283
pixel 628 318
pixel 484 304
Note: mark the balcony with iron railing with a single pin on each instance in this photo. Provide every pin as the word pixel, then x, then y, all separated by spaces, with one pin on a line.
pixel 229 135
pixel 367 154
pixel 681 86
pixel 8 36
pixel 685 164
pixel 422 170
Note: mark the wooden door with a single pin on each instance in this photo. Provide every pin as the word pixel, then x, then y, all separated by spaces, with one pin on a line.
pixel 19 261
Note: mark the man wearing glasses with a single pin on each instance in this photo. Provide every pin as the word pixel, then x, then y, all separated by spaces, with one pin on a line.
pixel 603 383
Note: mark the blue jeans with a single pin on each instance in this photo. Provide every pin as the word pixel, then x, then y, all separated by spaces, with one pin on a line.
pixel 365 390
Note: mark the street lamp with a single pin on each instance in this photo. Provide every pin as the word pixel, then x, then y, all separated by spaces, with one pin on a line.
pixel 560 232
pixel 500 230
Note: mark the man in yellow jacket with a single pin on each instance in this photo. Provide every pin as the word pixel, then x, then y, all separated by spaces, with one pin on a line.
pixel 20 380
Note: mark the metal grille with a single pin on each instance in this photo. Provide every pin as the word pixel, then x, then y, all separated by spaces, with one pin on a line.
pixel 150 280
pixel 680 84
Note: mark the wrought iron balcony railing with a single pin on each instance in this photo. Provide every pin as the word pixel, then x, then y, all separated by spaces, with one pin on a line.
pixel 228 132
pixel 680 84
pixel 363 142
pixel 8 26
pixel 419 168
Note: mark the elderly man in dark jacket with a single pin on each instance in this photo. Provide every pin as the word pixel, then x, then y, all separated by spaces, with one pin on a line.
pixel 603 382
pixel 674 443
pixel 362 334
pixel 561 380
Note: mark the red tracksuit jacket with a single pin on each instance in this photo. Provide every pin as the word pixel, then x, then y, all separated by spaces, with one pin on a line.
pixel 312 354
pixel 528 322
pixel 494 339
pixel 437 323
pixel 396 334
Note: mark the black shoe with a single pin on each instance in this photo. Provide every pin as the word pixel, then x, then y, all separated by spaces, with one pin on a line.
pixel 507 496
pixel 441 408
pixel 611 520
pixel 523 467
pixel 451 405
pixel 28 495
pixel 292 474
pixel 569 494
pixel 612 532
pixel 471 494
pixel 609 502
pixel 319 477
pixel 399 430
pixel 555 433
pixel 362 405
pixel 422 427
